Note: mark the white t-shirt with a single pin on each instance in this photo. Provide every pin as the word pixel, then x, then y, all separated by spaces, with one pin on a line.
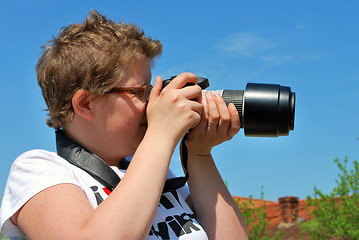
pixel 37 170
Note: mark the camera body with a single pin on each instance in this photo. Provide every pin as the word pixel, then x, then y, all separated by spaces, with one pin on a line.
pixel 265 110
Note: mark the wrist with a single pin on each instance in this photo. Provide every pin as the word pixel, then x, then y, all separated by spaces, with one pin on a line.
pixel 199 163
pixel 199 154
pixel 194 149
pixel 160 138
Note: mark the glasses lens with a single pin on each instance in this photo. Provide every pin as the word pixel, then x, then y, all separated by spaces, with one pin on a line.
pixel 142 92
pixel 148 89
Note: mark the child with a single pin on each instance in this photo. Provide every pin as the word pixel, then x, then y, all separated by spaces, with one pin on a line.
pixel 95 78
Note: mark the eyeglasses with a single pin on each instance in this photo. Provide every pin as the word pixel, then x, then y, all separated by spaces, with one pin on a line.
pixel 142 92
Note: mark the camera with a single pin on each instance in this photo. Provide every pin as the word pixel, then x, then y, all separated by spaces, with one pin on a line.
pixel 265 110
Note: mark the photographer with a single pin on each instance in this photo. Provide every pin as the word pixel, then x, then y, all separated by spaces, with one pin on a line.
pixel 95 79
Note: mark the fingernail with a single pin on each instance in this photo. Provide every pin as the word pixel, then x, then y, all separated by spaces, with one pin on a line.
pixel 217 95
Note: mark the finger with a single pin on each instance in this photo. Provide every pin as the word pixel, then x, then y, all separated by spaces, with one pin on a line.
pixel 204 116
pixel 192 92
pixel 197 109
pixel 205 109
pixel 181 80
pixel 235 121
pixel 224 116
pixel 201 127
pixel 213 115
pixel 156 90
pixel 186 83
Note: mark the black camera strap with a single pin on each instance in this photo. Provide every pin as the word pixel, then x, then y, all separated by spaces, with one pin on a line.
pixel 82 158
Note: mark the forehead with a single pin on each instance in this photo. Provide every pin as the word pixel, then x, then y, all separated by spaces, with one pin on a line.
pixel 137 75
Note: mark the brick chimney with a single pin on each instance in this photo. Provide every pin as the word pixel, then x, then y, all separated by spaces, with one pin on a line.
pixel 289 209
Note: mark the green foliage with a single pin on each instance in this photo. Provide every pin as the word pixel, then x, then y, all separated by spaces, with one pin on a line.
pixel 3 237
pixel 255 219
pixel 336 215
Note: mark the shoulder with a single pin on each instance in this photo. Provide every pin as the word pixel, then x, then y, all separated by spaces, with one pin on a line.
pixel 31 172
pixel 36 154
pixel 37 169
pixel 32 157
pixel 38 160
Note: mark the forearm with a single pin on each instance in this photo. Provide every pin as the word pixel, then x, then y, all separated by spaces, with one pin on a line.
pixel 132 206
pixel 213 204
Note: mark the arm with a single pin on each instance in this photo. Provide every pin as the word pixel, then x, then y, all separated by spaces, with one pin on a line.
pixel 212 203
pixel 63 212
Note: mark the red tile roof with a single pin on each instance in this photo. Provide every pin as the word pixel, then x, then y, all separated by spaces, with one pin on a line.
pixel 274 211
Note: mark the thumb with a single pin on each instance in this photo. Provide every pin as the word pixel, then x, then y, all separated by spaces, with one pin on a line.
pixel 157 88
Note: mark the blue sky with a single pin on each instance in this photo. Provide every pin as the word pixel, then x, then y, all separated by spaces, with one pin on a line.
pixel 311 46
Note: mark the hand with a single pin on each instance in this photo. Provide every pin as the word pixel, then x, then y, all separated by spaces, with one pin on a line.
pixel 176 108
pixel 218 124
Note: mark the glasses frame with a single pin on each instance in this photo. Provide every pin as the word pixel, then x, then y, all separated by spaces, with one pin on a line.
pixel 142 92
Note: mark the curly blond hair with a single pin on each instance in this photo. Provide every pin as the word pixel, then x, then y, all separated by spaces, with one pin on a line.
pixel 93 56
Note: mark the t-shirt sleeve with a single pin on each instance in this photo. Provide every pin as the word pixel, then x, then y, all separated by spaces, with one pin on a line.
pixel 31 173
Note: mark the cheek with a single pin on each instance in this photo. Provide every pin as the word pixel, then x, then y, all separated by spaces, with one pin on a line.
pixel 108 116
pixel 127 115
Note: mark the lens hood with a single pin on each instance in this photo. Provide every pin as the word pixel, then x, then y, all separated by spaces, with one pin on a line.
pixel 268 110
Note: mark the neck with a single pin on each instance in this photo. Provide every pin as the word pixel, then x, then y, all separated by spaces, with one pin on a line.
pixel 89 141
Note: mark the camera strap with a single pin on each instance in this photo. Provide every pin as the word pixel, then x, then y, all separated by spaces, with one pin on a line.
pixel 82 158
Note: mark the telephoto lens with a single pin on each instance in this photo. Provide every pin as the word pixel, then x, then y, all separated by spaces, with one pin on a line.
pixel 265 110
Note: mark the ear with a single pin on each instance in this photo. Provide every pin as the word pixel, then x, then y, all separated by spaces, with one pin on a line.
pixel 81 103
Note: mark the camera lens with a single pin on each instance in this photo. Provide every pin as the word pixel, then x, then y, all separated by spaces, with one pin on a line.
pixel 265 110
